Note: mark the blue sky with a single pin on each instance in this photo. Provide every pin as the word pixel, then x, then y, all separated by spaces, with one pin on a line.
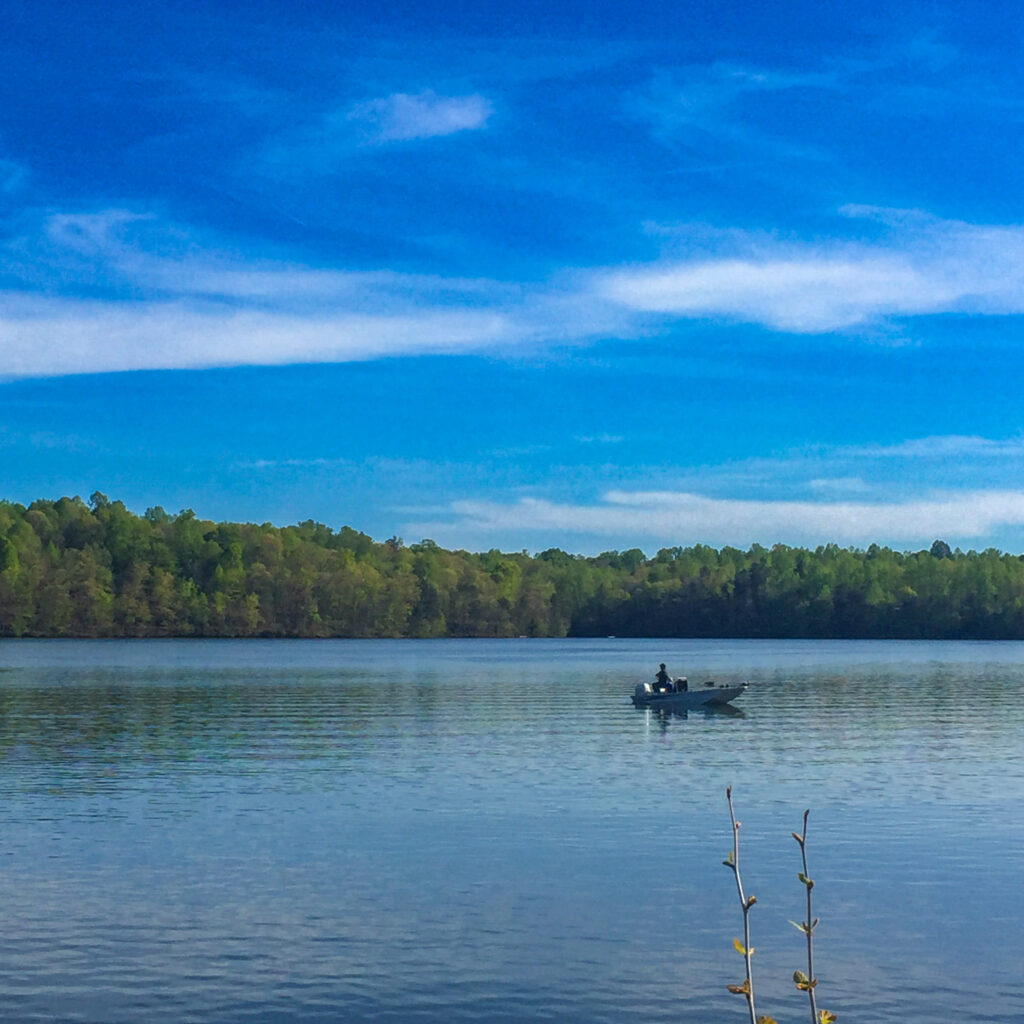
pixel 519 274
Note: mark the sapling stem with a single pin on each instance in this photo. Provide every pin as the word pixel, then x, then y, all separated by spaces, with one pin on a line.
pixel 746 903
pixel 810 922
pixel 807 982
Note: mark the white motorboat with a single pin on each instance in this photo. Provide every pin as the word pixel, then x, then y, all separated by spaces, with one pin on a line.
pixel 678 697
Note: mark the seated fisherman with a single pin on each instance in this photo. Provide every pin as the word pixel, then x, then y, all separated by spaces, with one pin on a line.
pixel 662 681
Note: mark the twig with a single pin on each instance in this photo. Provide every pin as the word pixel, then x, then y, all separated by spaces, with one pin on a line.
pixel 808 982
pixel 746 902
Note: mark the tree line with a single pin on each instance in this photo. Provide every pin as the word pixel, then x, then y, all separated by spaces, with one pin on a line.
pixel 71 568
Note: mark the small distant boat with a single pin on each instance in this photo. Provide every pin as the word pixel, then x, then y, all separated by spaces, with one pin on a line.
pixel 645 695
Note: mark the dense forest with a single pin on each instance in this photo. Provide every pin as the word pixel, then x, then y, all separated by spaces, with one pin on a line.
pixel 68 568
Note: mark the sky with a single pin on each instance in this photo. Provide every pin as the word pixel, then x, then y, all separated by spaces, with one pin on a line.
pixel 519 274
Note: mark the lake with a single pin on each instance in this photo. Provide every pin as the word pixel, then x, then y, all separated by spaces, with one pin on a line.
pixel 473 830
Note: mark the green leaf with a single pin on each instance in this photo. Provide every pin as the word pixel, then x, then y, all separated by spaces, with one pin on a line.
pixel 825 1017
pixel 738 946
pixel 765 1020
pixel 800 927
pixel 799 977
pixel 803 878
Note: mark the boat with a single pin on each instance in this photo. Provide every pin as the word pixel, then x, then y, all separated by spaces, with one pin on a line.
pixel 702 695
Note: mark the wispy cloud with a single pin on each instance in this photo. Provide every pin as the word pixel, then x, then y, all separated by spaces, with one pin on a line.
pixel 328 142
pixel 306 463
pixel 704 98
pixel 682 517
pixel 857 470
pixel 949 446
pixel 402 117
pixel 598 439
pixel 118 290
pixel 150 296
pixel 920 266
pixel 120 248
pixel 910 492
pixel 840 485
pixel 46 441
pixel 713 113
pixel 45 337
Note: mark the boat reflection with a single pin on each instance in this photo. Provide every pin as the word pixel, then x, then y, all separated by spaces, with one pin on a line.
pixel 663 716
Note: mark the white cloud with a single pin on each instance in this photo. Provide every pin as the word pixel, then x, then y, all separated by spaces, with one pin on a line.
pixel 921 266
pixel 842 467
pixel 682 518
pixel 962 488
pixel 403 116
pixel 121 247
pixel 860 471
pixel 173 302
pixel 949 446
pixel 46 337
pixel 176 304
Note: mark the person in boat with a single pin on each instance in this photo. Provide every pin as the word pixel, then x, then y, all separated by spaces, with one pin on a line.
pixel 662 680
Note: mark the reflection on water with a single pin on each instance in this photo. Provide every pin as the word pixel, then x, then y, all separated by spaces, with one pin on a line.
pixel 475 830
pixel 663 716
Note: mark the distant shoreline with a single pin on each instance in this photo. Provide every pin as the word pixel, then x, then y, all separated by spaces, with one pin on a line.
pixel 88 571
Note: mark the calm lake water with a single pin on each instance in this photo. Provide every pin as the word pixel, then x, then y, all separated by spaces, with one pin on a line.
pixel 449 831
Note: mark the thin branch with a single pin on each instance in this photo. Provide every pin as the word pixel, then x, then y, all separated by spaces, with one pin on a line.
pixel 745 904
pixel 808 982
pixel 810 923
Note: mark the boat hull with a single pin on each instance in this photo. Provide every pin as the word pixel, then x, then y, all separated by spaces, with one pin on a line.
pixel 702 696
